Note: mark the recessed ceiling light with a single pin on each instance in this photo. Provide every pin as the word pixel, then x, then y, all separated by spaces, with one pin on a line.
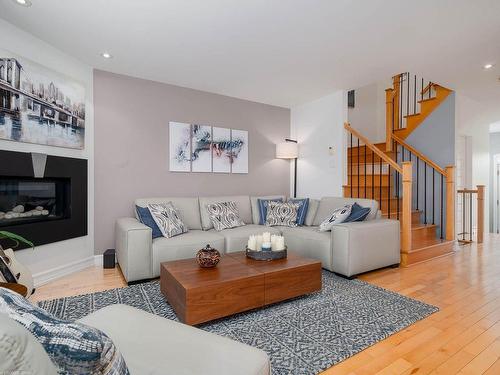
pixel 488 66
pixel 24 3
pixel 106 55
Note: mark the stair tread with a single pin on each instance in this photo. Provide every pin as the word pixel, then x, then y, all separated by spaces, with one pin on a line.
pixel 427 100
pixel 412 115
pixel 422 226
pixel 422 244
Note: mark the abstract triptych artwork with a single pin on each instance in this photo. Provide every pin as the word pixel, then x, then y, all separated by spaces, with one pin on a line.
pixel 205 148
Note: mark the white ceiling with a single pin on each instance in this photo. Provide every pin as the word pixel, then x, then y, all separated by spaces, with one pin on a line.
pixel 281 52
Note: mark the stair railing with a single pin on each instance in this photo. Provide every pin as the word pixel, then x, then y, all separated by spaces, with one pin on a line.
pixel 403 100
pixel 401 173
pixel 434 188
pixel 467 197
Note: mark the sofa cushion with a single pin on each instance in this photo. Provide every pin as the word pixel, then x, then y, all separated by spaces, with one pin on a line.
pixel 311 212
pixel 224 215
pixel 282 214
pixel 328 204
pixel 20 352
pixel 73 347
pixel 184 246
pixel 254 203
pixel 242 202
pixel 310 242
pixel 167 218
pixel 188 208
pixel 236 239
pixel 157 346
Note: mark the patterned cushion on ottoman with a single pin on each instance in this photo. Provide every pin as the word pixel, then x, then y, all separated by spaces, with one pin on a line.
pixel 74 348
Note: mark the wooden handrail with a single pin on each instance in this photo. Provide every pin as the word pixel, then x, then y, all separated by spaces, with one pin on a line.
pixel 376 150
pixel 419 154
pixel 426 88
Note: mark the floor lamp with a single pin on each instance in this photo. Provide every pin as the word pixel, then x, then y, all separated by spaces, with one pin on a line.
pixel 289 150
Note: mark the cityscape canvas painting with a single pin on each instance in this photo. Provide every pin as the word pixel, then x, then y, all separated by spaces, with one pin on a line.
pixel 39 105
pixel 203 148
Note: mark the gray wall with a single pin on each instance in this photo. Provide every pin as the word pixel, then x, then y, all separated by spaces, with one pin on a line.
pixel 435 138
pixel 131 146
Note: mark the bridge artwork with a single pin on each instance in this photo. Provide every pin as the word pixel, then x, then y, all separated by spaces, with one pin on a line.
pixel 38 105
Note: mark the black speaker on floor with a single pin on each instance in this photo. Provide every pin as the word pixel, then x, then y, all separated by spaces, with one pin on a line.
pixel 108 258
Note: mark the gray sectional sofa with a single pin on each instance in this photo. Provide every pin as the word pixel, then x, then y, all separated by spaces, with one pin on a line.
pixel 349 249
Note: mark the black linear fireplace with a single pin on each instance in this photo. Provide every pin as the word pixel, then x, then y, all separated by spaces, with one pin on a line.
pixel 42 197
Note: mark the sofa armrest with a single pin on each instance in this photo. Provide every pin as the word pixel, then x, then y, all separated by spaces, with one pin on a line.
pixel 133 242
pixel 364 246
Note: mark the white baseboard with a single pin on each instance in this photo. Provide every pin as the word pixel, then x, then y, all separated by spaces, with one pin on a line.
pixel 98 260
pixel 44 277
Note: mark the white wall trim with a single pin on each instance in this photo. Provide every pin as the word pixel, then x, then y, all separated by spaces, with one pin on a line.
pixel 45 277
pixel 98 260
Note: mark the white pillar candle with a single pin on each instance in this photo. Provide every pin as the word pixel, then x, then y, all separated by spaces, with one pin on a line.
pixel 273 242
pixel 280 243
pixel 259 243
pixel 252 243
pixel 266 237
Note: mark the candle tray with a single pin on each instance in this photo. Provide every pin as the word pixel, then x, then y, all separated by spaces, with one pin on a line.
pixel 266 255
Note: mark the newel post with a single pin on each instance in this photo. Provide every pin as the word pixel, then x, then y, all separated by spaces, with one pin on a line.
pixel 450 203
pixel 480 213
pixel 388 119
pixel 407 203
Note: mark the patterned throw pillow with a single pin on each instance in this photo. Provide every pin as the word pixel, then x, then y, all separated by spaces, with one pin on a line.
pixel 338 216
pixel 303 208
pixel 145 218
pixel 284 214
pixel 224 215
pixel 263 203
pixel 74 348
pixel 167 218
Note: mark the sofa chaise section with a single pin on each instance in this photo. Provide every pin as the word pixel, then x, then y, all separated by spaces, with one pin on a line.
pixel 157 346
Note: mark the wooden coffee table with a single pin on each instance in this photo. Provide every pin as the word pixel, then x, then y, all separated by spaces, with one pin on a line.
pixel 237 284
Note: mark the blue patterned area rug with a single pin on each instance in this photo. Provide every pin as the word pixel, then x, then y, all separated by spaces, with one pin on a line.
pixel 301 336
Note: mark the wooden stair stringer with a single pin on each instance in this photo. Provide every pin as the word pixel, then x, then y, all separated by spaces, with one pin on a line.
pixel 427 107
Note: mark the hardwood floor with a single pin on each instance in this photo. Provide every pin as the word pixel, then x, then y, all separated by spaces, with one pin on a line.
pixel 462 338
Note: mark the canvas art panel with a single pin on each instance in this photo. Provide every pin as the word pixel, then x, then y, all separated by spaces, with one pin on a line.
pixel 180 147
pixel 201 156
pixel 39 105
pixel 221 150
pixel 239 151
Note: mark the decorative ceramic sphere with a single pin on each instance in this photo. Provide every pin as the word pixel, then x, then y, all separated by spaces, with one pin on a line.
pixel 208 257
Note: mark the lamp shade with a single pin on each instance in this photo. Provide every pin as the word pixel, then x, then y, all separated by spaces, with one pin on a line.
pixel 287 150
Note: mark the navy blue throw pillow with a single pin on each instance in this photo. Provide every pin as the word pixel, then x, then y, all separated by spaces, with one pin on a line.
pixel 302 211
pixel 146 218
pixel 263 203
pixel 358 213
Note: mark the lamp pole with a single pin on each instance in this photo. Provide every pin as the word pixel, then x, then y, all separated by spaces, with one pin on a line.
pixel 294 170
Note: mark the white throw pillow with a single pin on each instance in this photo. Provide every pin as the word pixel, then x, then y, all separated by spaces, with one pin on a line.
pixel 224 215
pixel 167 218
pixel 338 216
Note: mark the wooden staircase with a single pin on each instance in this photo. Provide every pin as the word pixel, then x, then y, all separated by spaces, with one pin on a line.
pixel 371 173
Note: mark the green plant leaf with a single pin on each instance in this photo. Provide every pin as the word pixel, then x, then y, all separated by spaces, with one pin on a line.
pixel 16 238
